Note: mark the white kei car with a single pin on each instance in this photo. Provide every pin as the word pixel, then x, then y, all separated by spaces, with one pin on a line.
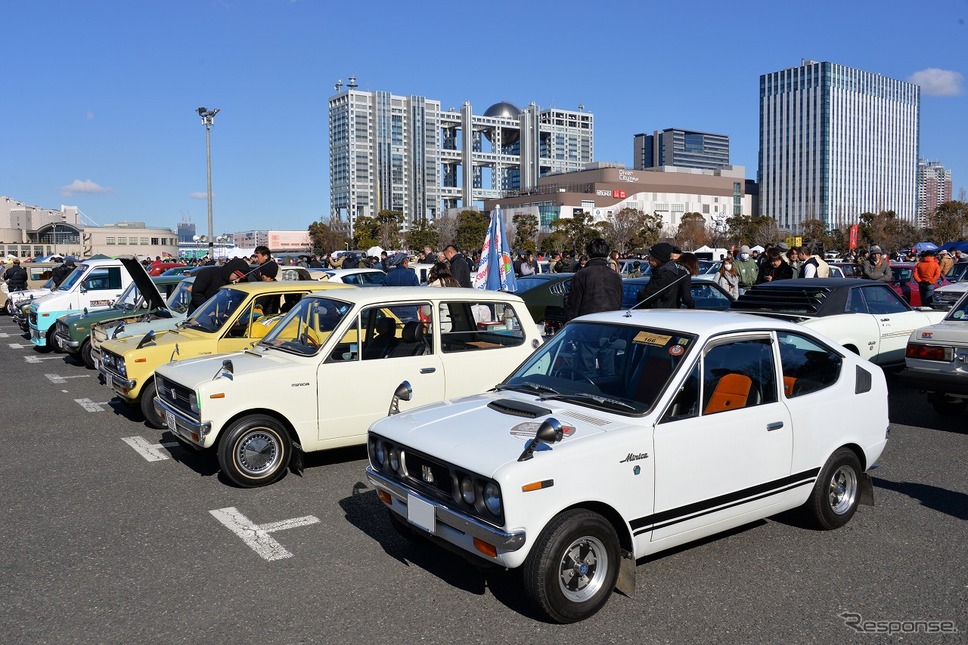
pixel 329 369
pixel 629 433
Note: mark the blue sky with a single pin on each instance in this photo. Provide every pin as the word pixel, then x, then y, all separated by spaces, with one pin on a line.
pixel 100 96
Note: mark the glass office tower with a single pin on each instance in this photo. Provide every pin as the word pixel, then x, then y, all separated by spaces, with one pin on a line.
pixel 836 142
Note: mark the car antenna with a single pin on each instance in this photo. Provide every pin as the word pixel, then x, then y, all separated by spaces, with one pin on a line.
pixel 628 312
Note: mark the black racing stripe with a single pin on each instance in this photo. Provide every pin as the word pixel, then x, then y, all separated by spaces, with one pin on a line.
pixel 696 509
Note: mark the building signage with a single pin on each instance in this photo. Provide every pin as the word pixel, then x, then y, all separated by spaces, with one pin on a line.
pixel 603 193
pixel 625 175
pixel 619 194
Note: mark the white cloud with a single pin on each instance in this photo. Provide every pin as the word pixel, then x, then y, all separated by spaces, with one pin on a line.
pixel 198 195
pixel 938 82
pixel 83 187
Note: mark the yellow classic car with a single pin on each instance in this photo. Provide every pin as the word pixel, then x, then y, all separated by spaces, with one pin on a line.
pixel 232 320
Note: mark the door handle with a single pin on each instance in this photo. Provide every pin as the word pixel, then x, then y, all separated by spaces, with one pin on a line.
pixel 428 370
pixel 776 425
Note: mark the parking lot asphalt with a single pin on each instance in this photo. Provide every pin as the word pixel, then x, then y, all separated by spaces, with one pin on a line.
pixel 111 532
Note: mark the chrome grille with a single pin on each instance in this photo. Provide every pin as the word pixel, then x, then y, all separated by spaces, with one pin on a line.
pixel 175 395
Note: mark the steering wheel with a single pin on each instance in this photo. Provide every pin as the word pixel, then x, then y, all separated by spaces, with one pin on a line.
pixel 307 339
pixel 572 374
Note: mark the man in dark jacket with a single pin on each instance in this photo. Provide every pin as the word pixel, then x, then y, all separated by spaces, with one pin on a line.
pixel 211 279
pixel 458 265
pixel 16 277
pixel 401 275
pixel 663 290
pixel 596 287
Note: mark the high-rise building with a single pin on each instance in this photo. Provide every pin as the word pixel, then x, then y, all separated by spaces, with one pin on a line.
pixel 680 148
pixel 404 153
pixel 836 142
pixel 934 188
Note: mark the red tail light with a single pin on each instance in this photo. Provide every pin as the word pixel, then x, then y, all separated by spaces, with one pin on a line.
pixel 929 352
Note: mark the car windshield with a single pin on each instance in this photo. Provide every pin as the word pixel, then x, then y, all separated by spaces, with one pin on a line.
pixel 73 278
pixel 217 310
pixel 960 311
pixel 307 325
pixel 618 368
pixel 130 298
pixel 181 297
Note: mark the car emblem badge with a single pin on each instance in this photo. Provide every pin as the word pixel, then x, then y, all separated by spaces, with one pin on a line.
pixel 426 474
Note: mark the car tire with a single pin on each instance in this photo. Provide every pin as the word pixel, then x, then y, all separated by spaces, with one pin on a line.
pixel 572 568
pixel 949 408
pixel 254 451
pixel 146 401
pixel 85 354
pixel 836 493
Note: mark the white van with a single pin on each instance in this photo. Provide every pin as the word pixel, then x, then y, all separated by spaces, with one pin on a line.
pixel 93 285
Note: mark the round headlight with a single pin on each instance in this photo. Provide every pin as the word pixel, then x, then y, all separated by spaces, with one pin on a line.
pixel 467 490
pixel 395 459
pixel 380 452
pixel 492 498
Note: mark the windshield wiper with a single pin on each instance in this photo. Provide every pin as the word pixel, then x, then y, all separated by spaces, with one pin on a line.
pixel 594 397
pixel 526 385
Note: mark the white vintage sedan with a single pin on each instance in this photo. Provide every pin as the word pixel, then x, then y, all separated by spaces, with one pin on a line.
pixel 937 361
pixel 330 367
pixel 629 433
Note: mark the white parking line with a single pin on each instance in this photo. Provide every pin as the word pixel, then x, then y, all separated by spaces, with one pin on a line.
pixel 150 451
pixel 37 359
pixel 18 346
pixel 257 536
pixel 60 380
pixel 89 405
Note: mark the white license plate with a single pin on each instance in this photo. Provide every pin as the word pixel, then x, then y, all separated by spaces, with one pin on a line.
pixel 170 421
pixel 421 514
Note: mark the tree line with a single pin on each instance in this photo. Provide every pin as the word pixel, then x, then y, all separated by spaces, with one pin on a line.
pixel 630 230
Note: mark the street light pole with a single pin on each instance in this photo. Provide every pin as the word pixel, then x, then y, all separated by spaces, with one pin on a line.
pixel 208 120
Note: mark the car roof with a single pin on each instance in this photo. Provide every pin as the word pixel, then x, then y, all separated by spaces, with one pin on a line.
pixel 286 285
pixel 409 294
pixel 694 321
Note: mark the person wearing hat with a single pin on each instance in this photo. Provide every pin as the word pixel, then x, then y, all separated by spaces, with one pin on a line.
pixel 876 267
pixel 664 290
pixel 784 251
pixel 926 274
pixel 211 279
pixel 16 277
pixel 747 269
pixel 945 261
pixel 400 273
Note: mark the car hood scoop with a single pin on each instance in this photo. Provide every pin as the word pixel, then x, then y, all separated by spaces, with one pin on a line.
pixel 518 408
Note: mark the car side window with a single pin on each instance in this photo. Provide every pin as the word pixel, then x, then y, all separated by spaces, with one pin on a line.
pixel 470 326
pixel 739 374
pixel 881 299
pixel 104 279
pixel 855 302
pixel 395 331
pixel 807 366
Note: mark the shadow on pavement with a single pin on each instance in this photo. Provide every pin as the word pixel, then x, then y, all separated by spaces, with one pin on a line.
pixel 938 499
pixel 367 513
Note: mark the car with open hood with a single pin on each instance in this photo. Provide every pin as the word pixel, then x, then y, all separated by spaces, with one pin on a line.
pixel 629 433
pixel 236 317
pixel 330 367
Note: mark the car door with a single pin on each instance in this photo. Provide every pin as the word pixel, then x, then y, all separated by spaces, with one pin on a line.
pixel 895 321
pixel 723 448
pixel 356 386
